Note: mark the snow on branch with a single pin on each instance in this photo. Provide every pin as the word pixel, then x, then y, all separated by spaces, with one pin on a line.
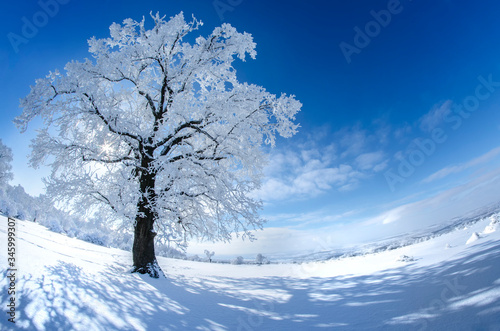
pixel 153 124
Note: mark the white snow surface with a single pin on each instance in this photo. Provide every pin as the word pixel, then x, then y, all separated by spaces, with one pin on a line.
pixel 63 283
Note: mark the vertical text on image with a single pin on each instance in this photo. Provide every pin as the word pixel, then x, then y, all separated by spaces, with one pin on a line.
pixel 11 269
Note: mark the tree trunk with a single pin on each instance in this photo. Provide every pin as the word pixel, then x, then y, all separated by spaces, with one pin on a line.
pixel 143 251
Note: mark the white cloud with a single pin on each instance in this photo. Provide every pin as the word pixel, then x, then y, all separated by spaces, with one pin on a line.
pixel 444 206
pixel 314 167
pixel 310 154
pixel 310 180
pixel 353 141
pixel 274 189
pixel 392 215
pixel 435 116
pixel 368 161
pixel 462 167
pixel 403 131
pixel 381 166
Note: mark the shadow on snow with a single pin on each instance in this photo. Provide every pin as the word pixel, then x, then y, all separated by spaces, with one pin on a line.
pixel 461 294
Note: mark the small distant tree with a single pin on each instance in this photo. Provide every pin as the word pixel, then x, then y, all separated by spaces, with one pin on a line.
pixel 260 259
pixel 5 164
pixel 209 255
pixel 158 132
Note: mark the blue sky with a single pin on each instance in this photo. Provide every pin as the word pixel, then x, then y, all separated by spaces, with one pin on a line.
pixel 400 123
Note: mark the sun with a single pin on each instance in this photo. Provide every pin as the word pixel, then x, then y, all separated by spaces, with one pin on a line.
pixel 106 149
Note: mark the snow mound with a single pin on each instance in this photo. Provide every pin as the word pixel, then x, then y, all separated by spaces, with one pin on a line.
pixel 406 258
pixel 493 226
pixel 475 236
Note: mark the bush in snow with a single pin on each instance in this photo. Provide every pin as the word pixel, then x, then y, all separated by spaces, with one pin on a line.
pixel 94 237
pixel 406 258
pixel 237 260
pixel 261 259
pixel 123 241
pixel 53 225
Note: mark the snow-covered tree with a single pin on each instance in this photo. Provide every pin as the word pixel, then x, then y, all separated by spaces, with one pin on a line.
pixel 261 259
pixel 209 255
pixel 15 202
pixel 157 131
pixel 5 164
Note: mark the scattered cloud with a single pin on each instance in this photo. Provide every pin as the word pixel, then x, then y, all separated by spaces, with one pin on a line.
pixel 462 167
pixel 455 202
pixel 390 216
pixel 403 131
pixel 371 161
pixel 307 179
pixel 381 166
pixel 337 161
pixel 352 140
pixel 435 116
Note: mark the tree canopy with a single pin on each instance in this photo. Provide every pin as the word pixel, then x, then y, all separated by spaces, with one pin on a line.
pixel 155 129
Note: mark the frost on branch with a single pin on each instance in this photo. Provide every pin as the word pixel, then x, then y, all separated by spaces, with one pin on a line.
pixel 158 132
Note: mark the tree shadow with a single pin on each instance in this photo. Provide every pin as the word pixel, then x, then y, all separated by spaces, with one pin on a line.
pixel 459 294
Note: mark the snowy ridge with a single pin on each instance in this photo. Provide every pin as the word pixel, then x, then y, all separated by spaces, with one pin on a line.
pixel 443 283
pixel 399 241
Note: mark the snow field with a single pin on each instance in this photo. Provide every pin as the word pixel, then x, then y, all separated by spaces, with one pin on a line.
pixel 445 283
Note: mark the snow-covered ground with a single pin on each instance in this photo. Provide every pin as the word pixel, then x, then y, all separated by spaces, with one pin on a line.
pixel 451 282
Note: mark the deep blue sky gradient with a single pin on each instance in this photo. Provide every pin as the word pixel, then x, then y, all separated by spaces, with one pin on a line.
pixel 430 53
